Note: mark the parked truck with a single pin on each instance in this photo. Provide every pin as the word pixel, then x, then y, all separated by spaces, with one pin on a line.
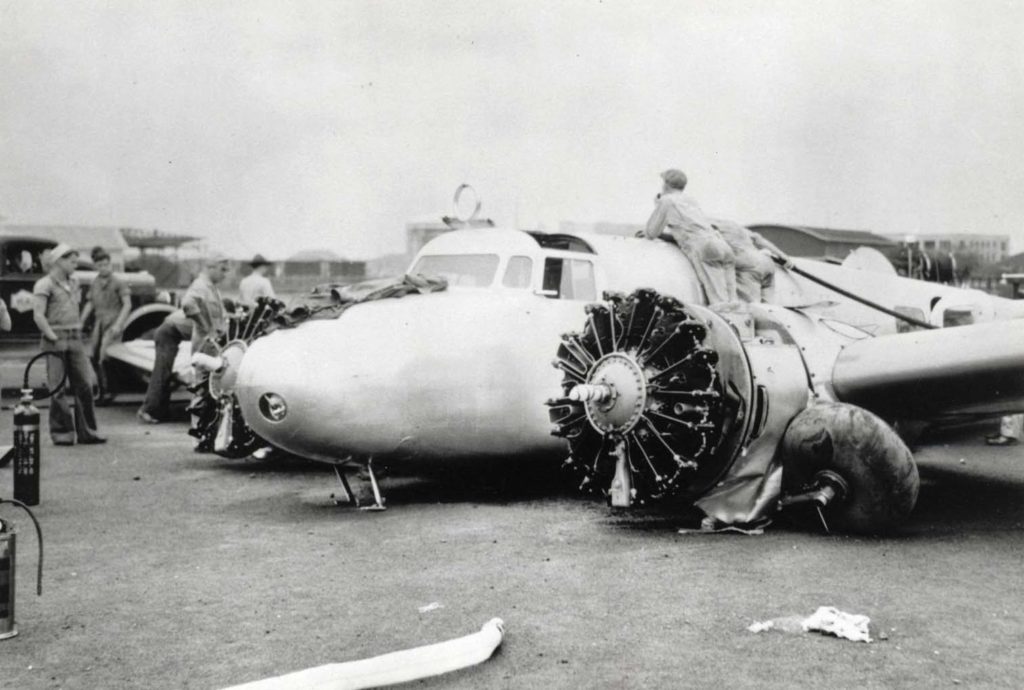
pixel 21 265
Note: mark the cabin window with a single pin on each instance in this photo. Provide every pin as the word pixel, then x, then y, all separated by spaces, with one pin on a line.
pixel 463 270
pixel 518 272
pixel 569 279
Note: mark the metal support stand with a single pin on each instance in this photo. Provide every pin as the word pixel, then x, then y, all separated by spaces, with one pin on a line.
pixel 349 496
pixel 379 502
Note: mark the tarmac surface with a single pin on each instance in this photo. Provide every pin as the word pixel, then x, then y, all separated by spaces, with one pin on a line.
pixel 169 569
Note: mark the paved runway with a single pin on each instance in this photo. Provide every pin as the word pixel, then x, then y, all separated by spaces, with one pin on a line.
pixel 165 568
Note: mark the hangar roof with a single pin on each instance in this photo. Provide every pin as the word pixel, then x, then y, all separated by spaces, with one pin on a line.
pixel 862 237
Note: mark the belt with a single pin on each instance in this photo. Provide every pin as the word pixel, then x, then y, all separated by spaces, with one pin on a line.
pixel 68 332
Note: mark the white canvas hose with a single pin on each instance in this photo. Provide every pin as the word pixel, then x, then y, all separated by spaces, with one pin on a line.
pixel 393 668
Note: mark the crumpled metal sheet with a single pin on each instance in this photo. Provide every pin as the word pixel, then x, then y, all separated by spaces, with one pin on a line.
pixel 748 494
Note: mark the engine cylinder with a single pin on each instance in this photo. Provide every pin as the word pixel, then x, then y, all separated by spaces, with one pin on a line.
pixel 653 389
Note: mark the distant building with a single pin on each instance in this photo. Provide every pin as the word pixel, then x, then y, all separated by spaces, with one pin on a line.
pixel 601 227
pixel 387 265
pixel 321 265
pixel 81 237
pixel 821 243
pixel 418 233
pixel 989 248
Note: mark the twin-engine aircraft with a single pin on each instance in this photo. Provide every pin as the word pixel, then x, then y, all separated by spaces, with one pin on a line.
pixel 600 352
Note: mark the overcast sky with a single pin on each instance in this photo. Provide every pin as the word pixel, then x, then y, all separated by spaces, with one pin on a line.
pixel 278 126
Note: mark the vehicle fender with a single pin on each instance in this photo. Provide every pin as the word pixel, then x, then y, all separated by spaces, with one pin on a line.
pixel 144 320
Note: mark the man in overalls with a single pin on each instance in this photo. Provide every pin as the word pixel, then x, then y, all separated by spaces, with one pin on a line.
pixel 57 316
pixel 755 269
pixel 109 302
pixel 712 258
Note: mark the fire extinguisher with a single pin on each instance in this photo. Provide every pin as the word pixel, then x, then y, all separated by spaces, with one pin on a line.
pixel 26 436
pixel 8 552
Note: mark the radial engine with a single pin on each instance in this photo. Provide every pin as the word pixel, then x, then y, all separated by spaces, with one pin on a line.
pixel 741 412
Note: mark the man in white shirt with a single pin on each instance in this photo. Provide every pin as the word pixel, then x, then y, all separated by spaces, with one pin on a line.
pixel 712 258
pixel 256 284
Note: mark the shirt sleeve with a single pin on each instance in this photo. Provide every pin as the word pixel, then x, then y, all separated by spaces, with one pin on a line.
pixel 123 290
pixel 43 287
pixel 656 223
pixel 268 289
pixel 190 303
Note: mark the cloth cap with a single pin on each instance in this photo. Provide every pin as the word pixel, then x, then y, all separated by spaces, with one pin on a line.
pixel 61 250
pixel 258 261
pixel 676 179
pixel 99 254
pixel 215 258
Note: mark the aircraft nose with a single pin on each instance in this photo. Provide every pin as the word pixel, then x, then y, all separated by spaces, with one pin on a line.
pixel 286 388
pixel 431 376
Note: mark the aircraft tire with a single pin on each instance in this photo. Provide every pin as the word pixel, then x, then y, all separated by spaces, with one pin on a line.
pixel 879 471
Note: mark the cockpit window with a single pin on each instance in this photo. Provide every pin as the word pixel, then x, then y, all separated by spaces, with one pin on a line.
pixel 569 279
pixel 465 270
pixel 518 271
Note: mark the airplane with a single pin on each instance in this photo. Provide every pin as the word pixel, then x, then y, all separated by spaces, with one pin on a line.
pixel 653 397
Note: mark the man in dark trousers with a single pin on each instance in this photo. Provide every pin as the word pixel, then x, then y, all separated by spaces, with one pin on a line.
pixel 109 302
pixel 57 316
pixel 174 330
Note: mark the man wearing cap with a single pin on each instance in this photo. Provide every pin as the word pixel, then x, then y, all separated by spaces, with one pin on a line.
pixel 256 284
pixel 712 258
pixel 203 304
pixel 56 314
pixel 110 302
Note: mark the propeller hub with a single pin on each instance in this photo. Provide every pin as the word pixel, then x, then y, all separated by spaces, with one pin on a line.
pixel 621 393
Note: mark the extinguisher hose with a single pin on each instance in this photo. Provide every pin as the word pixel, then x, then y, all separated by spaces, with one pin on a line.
pixel 64 371
pixel 39 536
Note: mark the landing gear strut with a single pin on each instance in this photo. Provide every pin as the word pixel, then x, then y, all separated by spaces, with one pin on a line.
pixel 350 496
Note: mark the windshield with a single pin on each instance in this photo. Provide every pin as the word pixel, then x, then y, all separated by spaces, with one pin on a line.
pixel 467 270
